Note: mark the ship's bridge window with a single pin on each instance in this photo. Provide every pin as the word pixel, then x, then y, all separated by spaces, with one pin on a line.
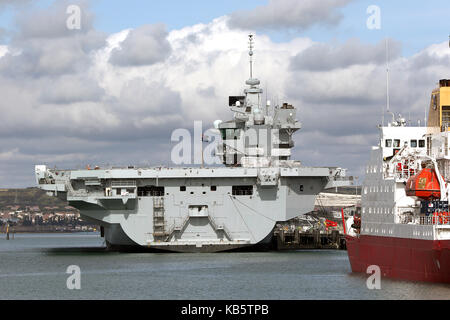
pixel 421 143
pixel 242 190
pixel 445 116
pixel 388 143
pixel 413 143
pixel 397 143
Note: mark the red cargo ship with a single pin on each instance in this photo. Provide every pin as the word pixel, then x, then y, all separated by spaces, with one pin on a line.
pixel 404 227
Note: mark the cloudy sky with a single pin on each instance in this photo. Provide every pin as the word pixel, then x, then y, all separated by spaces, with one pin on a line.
pixel 113 91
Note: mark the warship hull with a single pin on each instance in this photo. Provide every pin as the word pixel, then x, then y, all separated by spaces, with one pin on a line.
pixel 189 210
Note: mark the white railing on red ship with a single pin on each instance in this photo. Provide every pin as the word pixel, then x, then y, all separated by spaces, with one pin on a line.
pixel 435 220
pixel 404 172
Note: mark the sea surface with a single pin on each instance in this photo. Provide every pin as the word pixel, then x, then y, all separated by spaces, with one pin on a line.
pixel 33 266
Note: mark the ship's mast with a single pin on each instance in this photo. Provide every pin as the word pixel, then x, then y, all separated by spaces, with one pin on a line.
pixel 387 79
pixel 253 94
pixel 250 53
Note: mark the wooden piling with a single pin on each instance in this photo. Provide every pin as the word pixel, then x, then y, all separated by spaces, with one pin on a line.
pixel 281 235
pixel 296 236
pixel 335 236
pixel 317 239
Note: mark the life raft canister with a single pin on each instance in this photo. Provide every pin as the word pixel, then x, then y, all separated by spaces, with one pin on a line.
pixel 424 185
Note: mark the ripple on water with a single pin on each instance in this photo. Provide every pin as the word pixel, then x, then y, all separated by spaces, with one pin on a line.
pixel 33 266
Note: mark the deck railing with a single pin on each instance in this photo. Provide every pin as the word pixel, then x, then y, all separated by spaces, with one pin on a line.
pixel 435 220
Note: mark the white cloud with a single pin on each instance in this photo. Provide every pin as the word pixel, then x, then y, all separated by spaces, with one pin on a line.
pixel 18 157
pixel 3 50
pixel 95 111
pixel 295 14
pixel 144 45
pixel 324 57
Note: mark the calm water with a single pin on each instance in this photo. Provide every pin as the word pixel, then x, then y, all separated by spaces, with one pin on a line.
pixel 33 266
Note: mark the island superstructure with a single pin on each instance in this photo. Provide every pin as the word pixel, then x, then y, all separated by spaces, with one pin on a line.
pixel 404 226
pixel 199 209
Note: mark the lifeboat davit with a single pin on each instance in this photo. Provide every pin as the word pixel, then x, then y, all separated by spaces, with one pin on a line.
pixel 424 185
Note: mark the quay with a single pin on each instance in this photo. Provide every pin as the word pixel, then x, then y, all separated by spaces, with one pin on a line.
pixel 322 228
pixel 297 240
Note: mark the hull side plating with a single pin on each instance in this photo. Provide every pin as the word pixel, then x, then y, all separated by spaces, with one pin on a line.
pixel 401 258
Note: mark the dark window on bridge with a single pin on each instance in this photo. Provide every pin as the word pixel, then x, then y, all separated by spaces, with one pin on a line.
pixel 445 116
pixel 150 191
pixel 242 190
pixel 421 143
pixel 233 99
pixel 301 188
pixel 388 143
pixel 413 143
pixel 213 188
pixel 183 188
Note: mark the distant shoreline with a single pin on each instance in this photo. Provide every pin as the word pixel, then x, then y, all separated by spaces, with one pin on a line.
pixel 46 229
pixel 49 231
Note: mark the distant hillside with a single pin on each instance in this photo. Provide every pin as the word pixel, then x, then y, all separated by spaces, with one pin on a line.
pixel 28 197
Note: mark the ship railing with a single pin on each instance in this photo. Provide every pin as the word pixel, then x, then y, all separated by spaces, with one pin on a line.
pixel 404 174
pixel 435 220
pixel 123 183
pixel 242 192
pixel 153 193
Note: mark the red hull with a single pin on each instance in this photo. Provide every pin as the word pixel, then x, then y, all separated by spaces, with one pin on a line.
pixel 409 259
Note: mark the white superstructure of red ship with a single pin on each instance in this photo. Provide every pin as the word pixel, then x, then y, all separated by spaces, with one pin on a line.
pixel 404 227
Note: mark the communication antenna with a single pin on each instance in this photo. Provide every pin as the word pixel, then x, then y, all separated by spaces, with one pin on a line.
pixel 387 78
pixel 267 90
pixel 425 118
pixel 250 53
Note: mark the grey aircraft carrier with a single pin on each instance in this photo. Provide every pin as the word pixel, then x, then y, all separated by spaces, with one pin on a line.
pixel 200 209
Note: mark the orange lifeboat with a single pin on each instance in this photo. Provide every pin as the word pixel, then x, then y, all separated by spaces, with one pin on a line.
pixel 424 185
